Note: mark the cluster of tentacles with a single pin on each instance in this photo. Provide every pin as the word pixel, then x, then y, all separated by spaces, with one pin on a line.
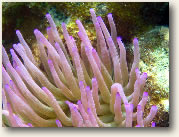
pixel 84 87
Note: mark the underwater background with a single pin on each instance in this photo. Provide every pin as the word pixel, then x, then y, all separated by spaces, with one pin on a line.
pixel 147 21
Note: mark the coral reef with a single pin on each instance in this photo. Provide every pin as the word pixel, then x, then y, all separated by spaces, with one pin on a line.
pixel 80 88
pixel 155 61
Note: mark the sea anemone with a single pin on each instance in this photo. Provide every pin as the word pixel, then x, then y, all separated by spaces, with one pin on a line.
pixel 74 87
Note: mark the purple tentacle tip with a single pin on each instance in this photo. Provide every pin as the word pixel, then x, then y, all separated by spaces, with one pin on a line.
pixel 10 81
pixel 145 94
pixel 137 126
pixel 145 74
pixel 86 48
pixel 93 50
pixel 17 31
pixel 110 15
pixel 89 110
pixel 99 17
pixel 48 15
pixel 126 104
pixel 8 65
pixel 79 102
pixel 16 67
pixel 137 70
pixel 49 61
pixel 110 39
pixel 139 107
pixel 71 37
pixel 80 83
pixel 75 108
pixel 14 45
pixel 68 103
pixel 56 44
pixel 78 21
pixel 94 79
pixel 63 24
pixel 154 108
pixel 11 50
pixel 87 88
pixel 29 124
pixel 132 106
pixel 36 30
pixel 135 39
pixel 92 10
pixel 119 38
pixel 19 44
pixel 79 33
pixel 117 94
pixel 74 49
pixel 153 124
pixel 6 86
pixel 48 28
pixel 43 88
pixel 58 123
